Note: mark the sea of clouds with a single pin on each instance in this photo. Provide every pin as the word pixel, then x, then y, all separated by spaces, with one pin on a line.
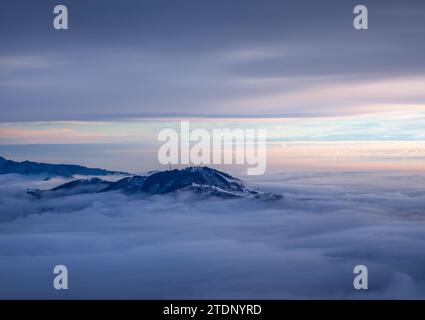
pixel 304 246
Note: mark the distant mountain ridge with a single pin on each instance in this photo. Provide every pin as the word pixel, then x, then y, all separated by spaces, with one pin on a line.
pixel 201 181
pixel 61 170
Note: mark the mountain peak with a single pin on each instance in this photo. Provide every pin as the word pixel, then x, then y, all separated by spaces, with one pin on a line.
pixel 172 180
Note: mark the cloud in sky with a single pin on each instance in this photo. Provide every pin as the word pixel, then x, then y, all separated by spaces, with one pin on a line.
pixel 303 247
pixel 212 58
pixel 382 141
pixel 384 126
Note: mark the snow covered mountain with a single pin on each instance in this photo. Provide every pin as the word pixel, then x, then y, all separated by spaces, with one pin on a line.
pixel 61 170
pixel 172 180
pixel 201 181
pixel 74 187
pixel 132 184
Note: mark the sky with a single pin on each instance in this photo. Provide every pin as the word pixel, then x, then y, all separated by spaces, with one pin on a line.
pixel 243 58
pixel 297 62
pixel 344 112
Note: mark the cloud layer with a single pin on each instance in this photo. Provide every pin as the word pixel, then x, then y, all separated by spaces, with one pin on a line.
pixel 285 58
pixel 303 247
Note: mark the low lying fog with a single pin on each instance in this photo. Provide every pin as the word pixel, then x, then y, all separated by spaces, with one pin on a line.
pixel 304 246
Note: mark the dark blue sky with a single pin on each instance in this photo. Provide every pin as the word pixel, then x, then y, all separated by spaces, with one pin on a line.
pixel 123 59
